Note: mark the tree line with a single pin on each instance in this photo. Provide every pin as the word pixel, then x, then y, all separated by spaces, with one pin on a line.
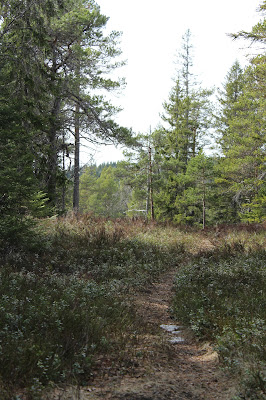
pixel 171 177
pixel 55 66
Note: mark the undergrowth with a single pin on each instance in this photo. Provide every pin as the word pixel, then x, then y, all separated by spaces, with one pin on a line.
pixel 64 298
pixel 221 296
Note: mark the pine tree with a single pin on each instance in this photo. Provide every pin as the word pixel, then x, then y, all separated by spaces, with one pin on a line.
pixel 44 44
pixel 81 56
pixel 135 175
pixel 141 175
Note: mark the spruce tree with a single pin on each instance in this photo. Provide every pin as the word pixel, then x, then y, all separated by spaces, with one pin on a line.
pixel 187 117
pixel 23 115
pixel 242 167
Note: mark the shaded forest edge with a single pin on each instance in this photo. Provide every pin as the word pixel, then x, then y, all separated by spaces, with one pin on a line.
pixel 65 297
pixel 58 98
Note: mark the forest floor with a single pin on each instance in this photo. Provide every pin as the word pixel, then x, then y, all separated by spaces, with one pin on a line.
pixel 150 367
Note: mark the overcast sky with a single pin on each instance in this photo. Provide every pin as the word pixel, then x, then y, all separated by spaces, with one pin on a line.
pixel 152 35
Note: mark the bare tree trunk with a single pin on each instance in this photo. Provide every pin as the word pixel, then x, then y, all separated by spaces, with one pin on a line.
pixel 203 209
pixel 76 166
pixel 64 184
pixel 194 143
pixel 151 184
pixel 53 153
pixel 148 194
pixel 77 148
pixel 52 138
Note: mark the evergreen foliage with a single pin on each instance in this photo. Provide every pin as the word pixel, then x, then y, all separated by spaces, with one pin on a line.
pixel 242 127
pixel 49 102
pixel 181 174
pixel 64 285
pixel 53 57
pixel 101 192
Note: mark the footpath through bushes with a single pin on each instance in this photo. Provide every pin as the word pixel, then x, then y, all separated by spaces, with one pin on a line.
pixel 65 297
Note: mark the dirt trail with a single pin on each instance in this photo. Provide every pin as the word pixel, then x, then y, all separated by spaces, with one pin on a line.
pixel 152 368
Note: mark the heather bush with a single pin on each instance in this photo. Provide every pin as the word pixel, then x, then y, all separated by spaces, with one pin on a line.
pixel 66 300
pixel 51 326
pixel 65 295
pixel 106 251
pixel 221 296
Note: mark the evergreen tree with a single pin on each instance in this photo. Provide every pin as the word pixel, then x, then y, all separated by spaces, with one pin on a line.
pixel 226 122
pixel 23 114
pixel 133 172
pixel 102 195
pixel 258 32
pixel 229 106
pixel 141 175
pixel 242 166
pixel 81 57
pixel 18 189
pixel 88 181
pixel 188 117
pixel 43 45
pixel 196 200
pixel 243 163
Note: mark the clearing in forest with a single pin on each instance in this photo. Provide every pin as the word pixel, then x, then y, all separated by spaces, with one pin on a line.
pixel 152 367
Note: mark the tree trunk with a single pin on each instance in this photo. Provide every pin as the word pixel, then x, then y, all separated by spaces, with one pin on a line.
pixel 52 136
pixel 77 147
pixel 203 210
pixel 64 184
pixel 151 185
pixel 194 142
pixel 76 166
pixel 53 153
pixel 148 194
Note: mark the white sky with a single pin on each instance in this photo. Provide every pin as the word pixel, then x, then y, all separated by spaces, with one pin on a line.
pixel 152 36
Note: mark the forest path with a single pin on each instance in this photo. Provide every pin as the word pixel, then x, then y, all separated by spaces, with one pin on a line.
pixel 151 367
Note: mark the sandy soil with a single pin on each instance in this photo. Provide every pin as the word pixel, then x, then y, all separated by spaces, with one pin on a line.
pixel 151 367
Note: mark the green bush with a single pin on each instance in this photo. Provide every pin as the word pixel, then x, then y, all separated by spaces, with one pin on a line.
pixel 222 298
pixel 62 297
pixel 51 326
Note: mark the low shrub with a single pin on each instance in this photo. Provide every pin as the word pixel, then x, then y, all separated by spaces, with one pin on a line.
pixel 106 251
pixel 67 299
pixel 222 298
pixel 51 326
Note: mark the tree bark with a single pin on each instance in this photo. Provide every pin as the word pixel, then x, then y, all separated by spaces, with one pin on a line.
pixel 77 161
pixel 53 153
pixel 203 208
pixel 77 147
pixel 151 185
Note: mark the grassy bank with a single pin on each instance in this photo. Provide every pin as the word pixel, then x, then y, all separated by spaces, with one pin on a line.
pixel 221 296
